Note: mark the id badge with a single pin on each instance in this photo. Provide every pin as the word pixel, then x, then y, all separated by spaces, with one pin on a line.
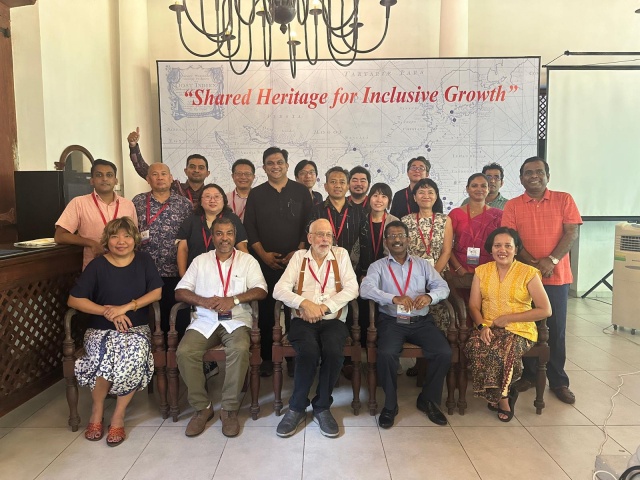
pixel 473 256
pixel 222 316
pixel 432 262
pixel 402 315
pixel 322 298
pixel 144 236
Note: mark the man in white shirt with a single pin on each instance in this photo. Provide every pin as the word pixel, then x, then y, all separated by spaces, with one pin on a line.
pixel 318 283
pixel 221 284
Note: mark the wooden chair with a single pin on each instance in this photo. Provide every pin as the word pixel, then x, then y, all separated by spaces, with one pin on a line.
pixel 72 351
pixel 282 348
pixel 215 354
pixel 540 350
pixel 409 350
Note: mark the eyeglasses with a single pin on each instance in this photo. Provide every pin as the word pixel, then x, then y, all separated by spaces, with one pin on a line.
pixel 493 177
pixel 212 197
pixel 328 235
pixel 399 236
pixel 416 168
pixel 243 174
pixel 307 173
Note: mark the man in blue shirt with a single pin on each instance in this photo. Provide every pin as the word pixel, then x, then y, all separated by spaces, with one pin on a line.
pixel 399 284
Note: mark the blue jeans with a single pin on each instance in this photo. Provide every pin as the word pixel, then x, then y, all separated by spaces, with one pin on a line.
pixel 321 341
pixel 557 323
pixel 435 348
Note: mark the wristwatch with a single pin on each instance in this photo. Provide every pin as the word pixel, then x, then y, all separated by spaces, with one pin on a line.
pixel 554 260
pixel 236 300
pixel 480 326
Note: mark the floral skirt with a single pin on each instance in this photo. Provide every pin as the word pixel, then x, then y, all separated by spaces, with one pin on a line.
pixel 493 366
pixel 124 359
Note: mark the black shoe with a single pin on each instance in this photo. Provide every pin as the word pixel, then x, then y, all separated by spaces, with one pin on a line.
pixel 513 397
pixel 433 412
pixel 266 368
pixel 412 371
pixel 387 417
pixel 326 422
pixel 289 424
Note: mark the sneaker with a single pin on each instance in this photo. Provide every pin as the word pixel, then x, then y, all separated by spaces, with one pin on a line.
pixel 230 425
pixel 199 421
pixel 289 424
pixel 210 369
pixel 326 422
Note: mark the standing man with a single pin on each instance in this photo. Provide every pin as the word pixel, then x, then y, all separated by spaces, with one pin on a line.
pixel 547 223
pixel 403 202
pixel 221 284
pixel 306 173
pixel 160 214
pixel 197 170
pixel 359 181
pixel 243 173
pixel 318 283
pixel 345 218
pixel 495 176
pixel 399 284
pixel 85 217
pixel 275 219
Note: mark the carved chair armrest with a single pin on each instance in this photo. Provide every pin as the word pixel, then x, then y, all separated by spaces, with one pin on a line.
pixel 68 317
pixel 174 314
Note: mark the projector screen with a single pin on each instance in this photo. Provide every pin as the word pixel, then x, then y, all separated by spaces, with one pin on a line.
pixel 593 138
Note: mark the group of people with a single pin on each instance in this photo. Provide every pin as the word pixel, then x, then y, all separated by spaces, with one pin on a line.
pixel 219 251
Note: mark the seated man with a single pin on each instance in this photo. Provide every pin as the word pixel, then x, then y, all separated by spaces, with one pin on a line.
pixel 399 284
pixel 221 284
pixel 318 283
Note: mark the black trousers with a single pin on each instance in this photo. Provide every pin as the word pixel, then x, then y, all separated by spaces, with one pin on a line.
pixel 167 302
pixel 435 348
pixel 265 311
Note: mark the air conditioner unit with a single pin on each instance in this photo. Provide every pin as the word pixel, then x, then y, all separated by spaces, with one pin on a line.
pixel 626 276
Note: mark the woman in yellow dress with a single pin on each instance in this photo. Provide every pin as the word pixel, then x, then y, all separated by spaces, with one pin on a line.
pixel 504 319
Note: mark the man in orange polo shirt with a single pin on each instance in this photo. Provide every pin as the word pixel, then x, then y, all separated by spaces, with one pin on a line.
pixel 85 217
pixel 547 223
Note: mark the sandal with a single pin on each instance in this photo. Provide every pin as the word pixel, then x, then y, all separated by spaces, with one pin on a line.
pixel 513 397
pixel 491 407
pixel 115 436
pixel 94 431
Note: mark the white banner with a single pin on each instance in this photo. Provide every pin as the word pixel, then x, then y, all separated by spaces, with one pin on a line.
pixel 460 114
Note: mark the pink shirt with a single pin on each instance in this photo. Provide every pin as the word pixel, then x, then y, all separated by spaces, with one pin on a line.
pixel 82 216
pixel 236 203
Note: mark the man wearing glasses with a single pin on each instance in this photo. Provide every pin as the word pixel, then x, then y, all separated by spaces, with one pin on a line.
pixel 318 283
pixel 495 176
pixel 306 173
pixel 403 202
pixel 276 216
pixel 398 284
pixel 243 173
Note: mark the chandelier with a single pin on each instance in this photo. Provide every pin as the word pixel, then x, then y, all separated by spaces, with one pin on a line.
pixel 231 20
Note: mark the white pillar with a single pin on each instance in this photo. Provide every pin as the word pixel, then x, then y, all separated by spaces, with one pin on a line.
pixel 454 28
pixel 135 90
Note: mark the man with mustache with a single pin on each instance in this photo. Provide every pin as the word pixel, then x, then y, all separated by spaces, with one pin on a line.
pixel 221 284
pixel 359 181
pixel 85 217
pixel 318 283
pixel 399 284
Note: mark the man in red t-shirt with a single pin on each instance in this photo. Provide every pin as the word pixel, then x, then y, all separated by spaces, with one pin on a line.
pixel 547 223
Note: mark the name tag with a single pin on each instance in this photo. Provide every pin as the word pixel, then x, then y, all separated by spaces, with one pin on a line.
pixel 321 298
pixel 473 256
pixel 432 262
pixel 222 316
pixel 402 315
pixel 144 236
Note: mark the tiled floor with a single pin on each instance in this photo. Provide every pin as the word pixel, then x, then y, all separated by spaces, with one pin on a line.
pixel 562 443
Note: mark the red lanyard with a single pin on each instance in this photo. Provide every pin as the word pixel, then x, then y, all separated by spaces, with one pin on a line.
pixel 366 199
pixel 433 221
pixel 225 286
pixel 233 202
pixel 326 277
pixel 376 248
pixel 482 225
pixel 333 227
pixel 189 195
pixel 115 215
pixel 406 195
pixel 395 280
pixel 207 240
pixel 151 219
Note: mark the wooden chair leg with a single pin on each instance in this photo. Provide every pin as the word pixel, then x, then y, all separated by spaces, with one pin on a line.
pixel 72 400
pixel 451 388
pixel 541 383
pixel 161 379
pixel 372 380
pixel 356 380
pixel 463 378
pixel 255 389
pixel 277 385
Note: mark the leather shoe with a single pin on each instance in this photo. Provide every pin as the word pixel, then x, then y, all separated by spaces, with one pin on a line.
pixel 523 385
pixel 199 421
pixel 230 424
pixel 433 412
pixel 564 395
pixel 387 417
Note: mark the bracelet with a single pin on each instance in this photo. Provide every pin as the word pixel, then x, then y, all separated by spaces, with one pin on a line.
pixel 456 270
pixel 135 304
